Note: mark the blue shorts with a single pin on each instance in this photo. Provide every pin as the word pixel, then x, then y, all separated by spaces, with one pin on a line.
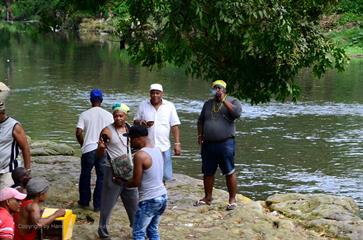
pixel 220 155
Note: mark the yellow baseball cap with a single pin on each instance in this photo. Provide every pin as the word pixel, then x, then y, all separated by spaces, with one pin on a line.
pixel 219 83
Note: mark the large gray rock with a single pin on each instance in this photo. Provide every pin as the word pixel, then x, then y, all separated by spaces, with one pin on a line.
pixel 181 220
pixel 335 215
pixel 48 148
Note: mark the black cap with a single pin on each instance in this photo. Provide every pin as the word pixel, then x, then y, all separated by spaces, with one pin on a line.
pixel 137 131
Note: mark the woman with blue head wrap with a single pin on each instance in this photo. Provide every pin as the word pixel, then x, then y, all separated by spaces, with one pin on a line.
pixel 115 144
pixel 120 107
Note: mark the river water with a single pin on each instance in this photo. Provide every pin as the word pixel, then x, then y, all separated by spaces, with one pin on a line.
pixel 312 146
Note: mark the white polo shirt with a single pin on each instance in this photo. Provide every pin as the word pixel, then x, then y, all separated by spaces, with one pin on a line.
pixel 92 121
pixel 164 118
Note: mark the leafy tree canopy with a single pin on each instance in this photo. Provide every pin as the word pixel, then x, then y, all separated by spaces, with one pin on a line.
pixel 352 6
pixel 257 46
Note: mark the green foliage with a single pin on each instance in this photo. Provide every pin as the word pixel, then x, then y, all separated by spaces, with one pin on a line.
pixel 27 9
pixel 350 18
pixel 350 39
pixel 117 8
pixel 257 46
pixel 352 6
pixel 54 13
pixel 117 11
pixel 90 6
pixel 347 32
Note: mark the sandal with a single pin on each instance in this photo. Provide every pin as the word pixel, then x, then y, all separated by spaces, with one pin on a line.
pixel 200 203
pixel 231 206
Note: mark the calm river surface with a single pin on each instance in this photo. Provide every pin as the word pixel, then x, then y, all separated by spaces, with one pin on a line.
pixel 312 146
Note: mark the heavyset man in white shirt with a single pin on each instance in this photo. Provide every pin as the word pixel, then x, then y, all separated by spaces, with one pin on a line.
pixel 160 116
pixel 90 124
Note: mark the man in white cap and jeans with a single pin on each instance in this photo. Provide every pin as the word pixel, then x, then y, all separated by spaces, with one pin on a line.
pixel 10 199
pixel 160 116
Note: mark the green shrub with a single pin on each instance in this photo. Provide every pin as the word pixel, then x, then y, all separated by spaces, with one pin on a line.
pixel 350 18
pixel 352 6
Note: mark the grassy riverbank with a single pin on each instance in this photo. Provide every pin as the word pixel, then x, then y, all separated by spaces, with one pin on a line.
pixel 346 30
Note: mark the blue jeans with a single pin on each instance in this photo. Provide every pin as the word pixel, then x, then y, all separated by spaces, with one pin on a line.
pixel 168 165
pixel 147 218
pixel 88 161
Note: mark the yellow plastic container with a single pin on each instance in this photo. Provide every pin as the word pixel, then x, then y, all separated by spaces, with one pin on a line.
pixel 61 228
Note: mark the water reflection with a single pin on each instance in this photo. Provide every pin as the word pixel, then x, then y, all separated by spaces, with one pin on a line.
pixel 312 146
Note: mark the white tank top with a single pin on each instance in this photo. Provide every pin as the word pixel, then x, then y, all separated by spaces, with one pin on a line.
pixel 9 149
pixel 117 145
pixel 152 179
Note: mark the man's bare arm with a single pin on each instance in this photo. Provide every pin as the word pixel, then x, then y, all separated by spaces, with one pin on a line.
pixel 200 133
pixel 36 218
pixel 79 136
pixel 142 162
pixel 176 134
pixel 20 137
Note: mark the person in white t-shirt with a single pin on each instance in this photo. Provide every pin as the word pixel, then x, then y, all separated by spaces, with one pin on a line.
pixel 160 116
pixel 89 126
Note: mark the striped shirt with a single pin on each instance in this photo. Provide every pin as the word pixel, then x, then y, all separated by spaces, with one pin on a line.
pixel 9 149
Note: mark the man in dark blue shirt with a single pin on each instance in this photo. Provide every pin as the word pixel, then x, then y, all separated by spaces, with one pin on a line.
pixel 216 131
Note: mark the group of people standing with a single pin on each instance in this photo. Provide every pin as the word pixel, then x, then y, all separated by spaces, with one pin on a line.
pixel 104 136
pixel 153 122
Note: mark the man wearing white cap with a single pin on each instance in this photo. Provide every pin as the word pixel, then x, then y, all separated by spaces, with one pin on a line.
pixel 9 204
pixel 160 116
pixel 12 139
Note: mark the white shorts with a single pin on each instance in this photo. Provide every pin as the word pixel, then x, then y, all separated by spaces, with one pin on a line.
pixel 6 180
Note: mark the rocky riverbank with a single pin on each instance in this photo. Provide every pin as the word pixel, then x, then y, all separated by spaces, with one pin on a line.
pixel 285 216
